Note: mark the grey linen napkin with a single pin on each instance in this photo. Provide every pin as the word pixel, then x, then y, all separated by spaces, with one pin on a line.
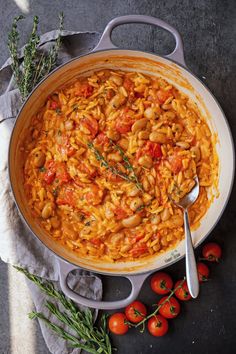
pixel 17 245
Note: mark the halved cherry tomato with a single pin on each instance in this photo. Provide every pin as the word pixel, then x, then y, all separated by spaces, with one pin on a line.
pixel 161 283
pixel 154 150
pixel 151 149
pixel 61 172
pixel 113 178
pixel 54 105
pixel 66 196
pixel 95 195
pixel 84 90
pixel 90 124
pixel 136 311
pixel 175 163
pixel 116 323
pixel 158 326
pixel 101 139
pixel 163 95
pixel 128 84
pixel 120 213
pixel 212 252
pixel 138 250
pixel 203 272
pixel 50 173
pixel 171 307
pixel 124 122
pixel 183 292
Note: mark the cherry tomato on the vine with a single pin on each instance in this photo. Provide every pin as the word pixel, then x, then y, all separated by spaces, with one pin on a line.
pixel 161 283
pixel 203 272
pixel 182 293
pixel 116 323
pixel 158 326
pixel 212 252
pixel 136 311
pixel 171 307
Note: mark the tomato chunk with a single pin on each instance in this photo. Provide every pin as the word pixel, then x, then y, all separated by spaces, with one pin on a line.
pixel 163 95
pixel 90 124
pixel 176 163
pixel 95 195
pixel 151 149
pixel 84 90
pixel 67 196
pixel 124 122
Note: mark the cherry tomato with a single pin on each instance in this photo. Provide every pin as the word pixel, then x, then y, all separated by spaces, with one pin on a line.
pixel 138 250
pixel 163 95
pixel 128 84
pixel 90 124
pixel 95 195
pixel 203 272
pixel 124 123
pixel 120 213
pixel 102 139
pixel 161 283
pixel 183 292
pixel 212 252
pixel 84 90
pixel 170 309
pixel 61 172
pixel 154 150
pixel 66 196
pixel 116 323
pixel 151 149
pixel 50 173
pixel 54 105
pixel 136 311
pixel 158 326
pixel 175 163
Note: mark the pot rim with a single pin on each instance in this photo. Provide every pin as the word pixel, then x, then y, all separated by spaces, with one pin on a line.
pixel 111 273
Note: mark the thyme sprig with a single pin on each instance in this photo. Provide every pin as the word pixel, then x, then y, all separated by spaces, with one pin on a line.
pixel 35 65
pixel 127 164
pixel 86 336
pixel 146 318
pixel 113 169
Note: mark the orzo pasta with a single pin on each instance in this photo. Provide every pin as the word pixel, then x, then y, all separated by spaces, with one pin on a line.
pixel 104 154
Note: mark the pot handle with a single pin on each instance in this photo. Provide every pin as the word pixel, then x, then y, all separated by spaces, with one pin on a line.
pixel 105 41
pixel 135 280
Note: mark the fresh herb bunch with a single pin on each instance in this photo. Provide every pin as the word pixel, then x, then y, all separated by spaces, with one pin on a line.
pixel 87 336
pixel 104 163
pixel 35 65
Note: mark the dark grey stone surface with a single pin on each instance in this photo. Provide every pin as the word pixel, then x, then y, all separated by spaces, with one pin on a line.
pixel 206 325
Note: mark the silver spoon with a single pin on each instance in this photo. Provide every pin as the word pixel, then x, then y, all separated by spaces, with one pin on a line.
pixel 190 261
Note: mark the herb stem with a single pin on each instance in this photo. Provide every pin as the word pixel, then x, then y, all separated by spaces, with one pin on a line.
pixel 96 339
pixel 114 170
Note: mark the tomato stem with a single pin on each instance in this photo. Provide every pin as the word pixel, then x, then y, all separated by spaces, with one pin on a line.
pixel 158 308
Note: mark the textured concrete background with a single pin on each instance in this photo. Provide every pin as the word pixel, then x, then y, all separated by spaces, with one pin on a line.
pixel 206 325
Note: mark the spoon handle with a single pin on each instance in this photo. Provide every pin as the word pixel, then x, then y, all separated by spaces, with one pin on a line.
pixel 191 267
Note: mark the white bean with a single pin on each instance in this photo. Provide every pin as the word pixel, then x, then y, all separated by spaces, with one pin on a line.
pixel 136 203
pixel 132 221
pixel 47 210
pixel 157 137
pixel 145 161
pixel 149 113
pixel 139 125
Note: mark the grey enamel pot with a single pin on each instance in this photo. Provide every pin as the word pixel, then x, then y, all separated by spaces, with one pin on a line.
pixel 173 68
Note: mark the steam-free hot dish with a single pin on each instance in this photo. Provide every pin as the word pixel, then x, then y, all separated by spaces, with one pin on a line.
pixel 102 158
